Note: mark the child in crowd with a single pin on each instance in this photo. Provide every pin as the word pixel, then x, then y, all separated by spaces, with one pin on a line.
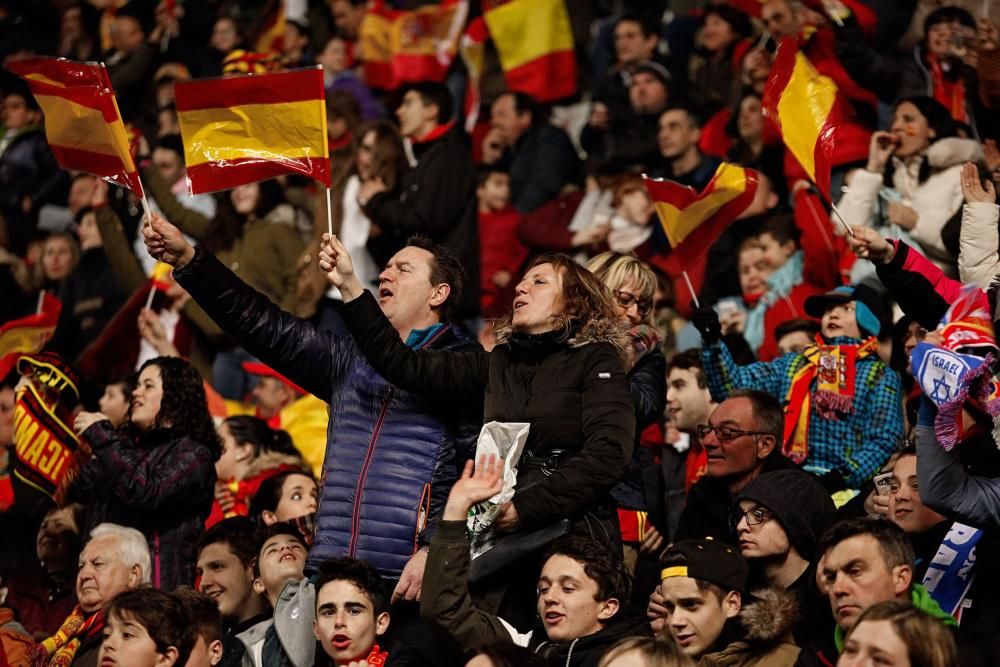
pixel 501 253
pixel 631 224
pixel 146 628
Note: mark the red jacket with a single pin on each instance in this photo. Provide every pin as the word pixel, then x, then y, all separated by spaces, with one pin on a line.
pixel 499 250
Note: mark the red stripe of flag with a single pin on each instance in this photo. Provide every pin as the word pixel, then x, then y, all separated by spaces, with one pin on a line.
pixel 213 176
pixel 295 86
pixel 548 78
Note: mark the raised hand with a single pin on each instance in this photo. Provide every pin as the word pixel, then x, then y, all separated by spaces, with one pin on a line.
pixel 477 483
pixel 881 148
pixel 972 187
pixel 85 420
pixel 869 244
pixel 336 262
pixel 165 242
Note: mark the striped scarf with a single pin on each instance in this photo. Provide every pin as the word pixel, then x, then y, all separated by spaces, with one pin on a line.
pixel 833 367
pixel 60 649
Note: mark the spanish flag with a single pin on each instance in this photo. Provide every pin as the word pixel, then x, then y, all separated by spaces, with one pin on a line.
pixel 693 220
pixel 269 31
pixel 243 129
pixel 398 47
pixel 82 121
pixel 28 335
pixel 534 41
pixel 807 109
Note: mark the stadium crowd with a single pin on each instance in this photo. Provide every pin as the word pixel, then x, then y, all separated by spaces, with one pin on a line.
pixel 495 417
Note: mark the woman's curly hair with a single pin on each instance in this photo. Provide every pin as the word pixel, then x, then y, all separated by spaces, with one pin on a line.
pixel 183 407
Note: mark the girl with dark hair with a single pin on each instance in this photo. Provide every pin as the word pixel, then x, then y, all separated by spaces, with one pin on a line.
pixel 286 496
pixel 558 365
pixel 912 182
pixel 155 473
pixel 715 68
pixel 252 451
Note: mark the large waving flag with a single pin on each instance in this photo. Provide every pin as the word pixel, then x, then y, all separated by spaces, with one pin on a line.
pixel 398 47
pixel 694 220
pixel 28 335
pixel 534 41
pixel 243 129
pixel 269 32
pixel 82 121
pixel 807 109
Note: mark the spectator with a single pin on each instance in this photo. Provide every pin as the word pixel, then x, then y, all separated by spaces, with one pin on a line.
pixel 146 628
pixel 115 560
pixel 295 48
pixel 352 615
pixel 157 473
pixel 930 532
pixel 899 632
pixel 436 196
pixel 649 652
pixel 678 136
pixel 794 336
pixel 628 138
pixel 542 159
pixel 562 334
pixel 226 555
pixel 741 441
pixel 922 159
pixel 864 562
pixel 288 407
pixel 501 254
pixel 252 451
pixel 781 517
pixel 715 68
pixel 90 295
pixel 977 260
pixel 703 589
pixel 821 421
pixel 60 255
pixel 288 637
pixel 576 622
pixel 29 174
pixel 347 16
pixel 131 60
pixel 227 36
pixel 415 290
pixel 753 142
pixel 287 496
pixel 503 653
pixel 42 594
pixel 117 399
pixel 338 76
pixel 203 615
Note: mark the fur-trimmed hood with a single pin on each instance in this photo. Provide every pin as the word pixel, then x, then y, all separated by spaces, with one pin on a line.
pixel 273 460
pixel 598 330
pixel 769 618
pixel 950 151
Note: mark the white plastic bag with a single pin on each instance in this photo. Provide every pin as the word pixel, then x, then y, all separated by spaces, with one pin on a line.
pixel 505 440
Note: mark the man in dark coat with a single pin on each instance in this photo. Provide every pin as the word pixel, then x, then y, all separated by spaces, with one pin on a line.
pixel 436 196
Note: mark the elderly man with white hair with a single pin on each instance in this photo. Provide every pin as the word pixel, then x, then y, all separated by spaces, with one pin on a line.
pixel 116 559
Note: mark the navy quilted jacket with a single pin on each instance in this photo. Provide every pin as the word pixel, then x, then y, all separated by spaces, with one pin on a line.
pixel 391 456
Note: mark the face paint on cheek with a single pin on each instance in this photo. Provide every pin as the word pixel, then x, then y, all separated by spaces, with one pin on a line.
pixel 910 129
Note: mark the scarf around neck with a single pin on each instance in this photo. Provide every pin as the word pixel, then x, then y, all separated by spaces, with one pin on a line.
pixel 60 649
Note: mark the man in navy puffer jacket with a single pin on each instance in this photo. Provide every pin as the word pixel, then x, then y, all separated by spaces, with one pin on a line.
pixel 391 457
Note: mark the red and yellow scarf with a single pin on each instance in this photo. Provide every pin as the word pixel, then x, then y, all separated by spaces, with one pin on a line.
pixel 833 367
pixel 377 656
pixel 950 93
pixel 60 649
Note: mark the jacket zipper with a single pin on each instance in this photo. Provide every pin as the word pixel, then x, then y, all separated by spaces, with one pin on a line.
pixel 358 492
pixel 156 559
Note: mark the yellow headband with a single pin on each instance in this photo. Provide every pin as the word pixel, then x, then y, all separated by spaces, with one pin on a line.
pixel 675 571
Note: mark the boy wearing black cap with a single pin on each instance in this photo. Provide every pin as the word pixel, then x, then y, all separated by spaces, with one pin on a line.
pixel 843 405
pixel 704 586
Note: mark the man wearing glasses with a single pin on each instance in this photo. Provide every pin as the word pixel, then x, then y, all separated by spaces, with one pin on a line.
pixel 741 441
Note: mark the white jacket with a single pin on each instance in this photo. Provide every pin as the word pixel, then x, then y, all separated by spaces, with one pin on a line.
pixel 978 259
pixel 935 200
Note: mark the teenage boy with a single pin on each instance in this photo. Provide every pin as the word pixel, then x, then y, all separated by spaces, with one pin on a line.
pixel 708 613
pixel 352 615
pixel 203 615
pixel 843 405
pixel 582 588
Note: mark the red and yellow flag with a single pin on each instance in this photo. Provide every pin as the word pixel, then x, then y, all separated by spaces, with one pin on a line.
pixel 244 129
pixel 398 47
pixel 82 121
pixel 269 32
pixel 534 41
pixel 28 335
pixel 693 220
pixel 807 108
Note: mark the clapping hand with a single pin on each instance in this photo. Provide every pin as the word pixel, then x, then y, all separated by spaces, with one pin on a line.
pixel 972 187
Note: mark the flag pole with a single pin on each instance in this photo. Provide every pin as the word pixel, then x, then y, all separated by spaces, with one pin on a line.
pixel 841 218
pixel 687 279
pixel 41 301
pixel 329 214
pixel 152 293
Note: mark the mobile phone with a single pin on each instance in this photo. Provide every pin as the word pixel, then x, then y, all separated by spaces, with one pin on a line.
pixel 883 483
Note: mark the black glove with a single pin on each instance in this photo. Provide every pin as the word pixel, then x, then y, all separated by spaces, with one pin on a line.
pixel 706 321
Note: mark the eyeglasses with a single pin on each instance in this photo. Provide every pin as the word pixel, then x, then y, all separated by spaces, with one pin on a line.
pixel 724 433
pixel 625 300
pixel 754 517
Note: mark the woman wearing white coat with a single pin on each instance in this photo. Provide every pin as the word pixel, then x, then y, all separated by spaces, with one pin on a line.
pixel 921 158
pixel 978 259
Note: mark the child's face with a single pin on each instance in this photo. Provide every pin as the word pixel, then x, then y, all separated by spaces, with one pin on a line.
pixel 298 498
pixel 636 207
pixel 754 271
pixel 776 254
pixel 494 193
pixel 334 56
pixel 695 617
pixel 841 320
pixel 128 643
pixel 114 403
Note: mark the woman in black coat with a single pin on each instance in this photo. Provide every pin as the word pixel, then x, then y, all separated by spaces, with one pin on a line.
pixel 157 472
